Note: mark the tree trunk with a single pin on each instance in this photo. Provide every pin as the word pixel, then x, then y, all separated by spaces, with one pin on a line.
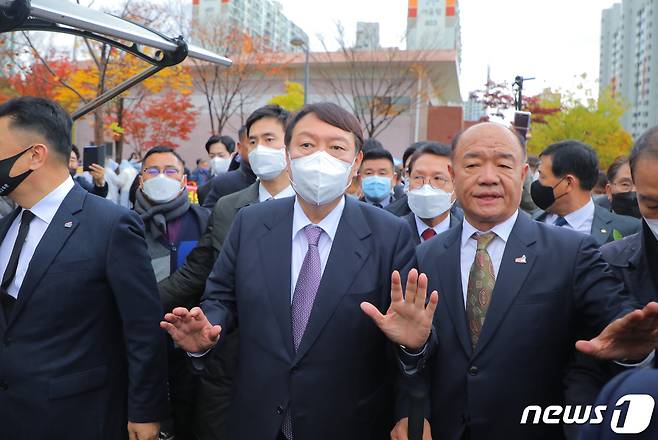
pixel 98 127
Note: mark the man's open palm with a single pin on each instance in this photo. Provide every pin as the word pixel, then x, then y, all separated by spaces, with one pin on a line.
pixel 633 336
pixel 408 320
pixel 191 330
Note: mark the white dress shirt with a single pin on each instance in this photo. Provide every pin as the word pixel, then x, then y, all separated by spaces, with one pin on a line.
pixel 580 220
pixel 441 227
pixel 496 248
pixel 44 211
pixel 329 226
pixel 264 194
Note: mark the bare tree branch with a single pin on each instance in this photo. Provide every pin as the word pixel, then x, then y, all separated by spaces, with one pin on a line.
pixel 50 70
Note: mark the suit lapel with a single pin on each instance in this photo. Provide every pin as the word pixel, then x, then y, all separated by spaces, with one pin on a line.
pixel 642 284
pixel 60 229
pixel 451 285
pixel 601 226
pixel 348 253
pixel 411 220
pixel 5 224
pixel 276 254
pixel 511 276
pixel 249 197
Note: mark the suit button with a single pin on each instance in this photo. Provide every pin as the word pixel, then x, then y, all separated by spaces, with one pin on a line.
pixel 294 370
pixel 473 371
pixel 3 385
pixel 279 409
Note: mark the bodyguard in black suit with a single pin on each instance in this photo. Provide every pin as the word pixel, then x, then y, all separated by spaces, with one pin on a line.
pixel 516 294
pixel 634 260
pixel 567 173
pixel 228 183
pixel 81 354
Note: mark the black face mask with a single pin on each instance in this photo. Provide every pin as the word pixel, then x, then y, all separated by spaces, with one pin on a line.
pixel 626 204
pixel 542 195
pixel 7 183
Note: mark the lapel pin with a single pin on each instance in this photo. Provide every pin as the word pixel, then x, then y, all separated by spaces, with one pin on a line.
pixel 68 224
pixel 521 260
pixel 604 231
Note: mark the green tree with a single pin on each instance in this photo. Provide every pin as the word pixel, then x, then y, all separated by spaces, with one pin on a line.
pixel 293 99
pixel 594 122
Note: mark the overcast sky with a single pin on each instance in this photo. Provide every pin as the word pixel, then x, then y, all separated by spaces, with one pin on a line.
pixel 552 40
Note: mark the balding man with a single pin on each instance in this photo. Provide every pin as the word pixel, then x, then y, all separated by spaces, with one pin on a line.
pixel 516 295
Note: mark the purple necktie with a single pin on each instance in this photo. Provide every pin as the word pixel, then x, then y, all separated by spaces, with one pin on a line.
pixel 303 298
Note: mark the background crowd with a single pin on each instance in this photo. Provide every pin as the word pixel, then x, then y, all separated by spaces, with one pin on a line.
pixel 270 266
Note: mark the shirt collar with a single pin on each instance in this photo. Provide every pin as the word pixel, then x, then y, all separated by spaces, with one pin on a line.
pixel 577 218
pixel 46 208
pixel 441 227
pixel 502 230
pixel 329 224
pixel 264 194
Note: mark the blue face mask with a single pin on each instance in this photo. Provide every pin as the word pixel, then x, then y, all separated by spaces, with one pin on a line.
pixel 376 188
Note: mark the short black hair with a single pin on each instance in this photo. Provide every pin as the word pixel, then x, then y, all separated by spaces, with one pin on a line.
pixel 372 144
pixel 646 144
pixel 75 150
pixel 333 115
pixel 519 138
pixel 574 157
pixel 228 142
pixel 411 149
pixel 378 153
pixel 433 148
pixel 601 180
pixel 533 161
pixel 614 167
pixel 243 133
pixel 269 111
pixel 44 118
pixel 162 150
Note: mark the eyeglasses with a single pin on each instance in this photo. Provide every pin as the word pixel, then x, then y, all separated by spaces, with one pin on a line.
pixel 168 171
pixel 436 182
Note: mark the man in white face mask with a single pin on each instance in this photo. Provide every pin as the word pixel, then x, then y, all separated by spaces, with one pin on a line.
pixel 173 225
pixel 293 274
pixel 265 148
pixel 431 194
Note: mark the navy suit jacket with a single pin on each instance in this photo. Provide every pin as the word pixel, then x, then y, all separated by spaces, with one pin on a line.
pixel 563 292
pixel 628 261
pixel 83 352
pixel 339 382
pixel 640 381
pixel 225 184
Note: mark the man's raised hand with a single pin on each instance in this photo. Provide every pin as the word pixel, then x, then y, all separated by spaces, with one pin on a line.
pixel 633 336
pixel 191 330
pixel 408 320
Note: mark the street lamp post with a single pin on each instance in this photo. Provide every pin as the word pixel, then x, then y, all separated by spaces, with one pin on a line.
pixel 301 43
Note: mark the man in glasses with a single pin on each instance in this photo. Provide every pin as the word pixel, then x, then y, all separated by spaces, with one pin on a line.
pixel 431 193
pixel 173 227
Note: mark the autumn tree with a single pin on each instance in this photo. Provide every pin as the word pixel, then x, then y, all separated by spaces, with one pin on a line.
pixel 595 122
pixel 293 99
pixel 379 85
pixel 232 91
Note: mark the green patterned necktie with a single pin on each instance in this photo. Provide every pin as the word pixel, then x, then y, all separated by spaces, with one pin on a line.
pixel 481 281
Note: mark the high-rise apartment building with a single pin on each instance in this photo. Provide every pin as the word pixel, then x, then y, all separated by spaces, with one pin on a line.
pixel 629 56
pixel 434 24
pixel 367 36
pixel 258 18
